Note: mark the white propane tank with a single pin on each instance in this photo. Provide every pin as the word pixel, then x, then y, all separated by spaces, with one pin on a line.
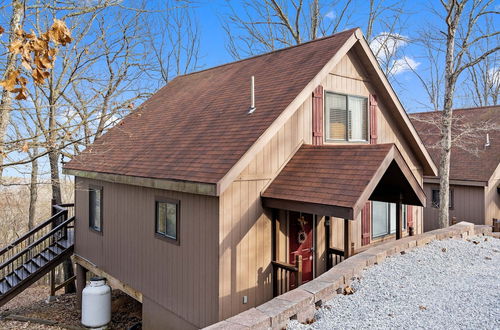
pixel 96 303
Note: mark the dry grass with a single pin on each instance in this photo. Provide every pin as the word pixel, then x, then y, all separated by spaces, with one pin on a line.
pixel 14 204
pixel 31 303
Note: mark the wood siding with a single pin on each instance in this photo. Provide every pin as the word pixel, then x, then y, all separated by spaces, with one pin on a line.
pixel 181 278
pixel 349 77
pixel 492 198
pixel 245 227
pixel 468 205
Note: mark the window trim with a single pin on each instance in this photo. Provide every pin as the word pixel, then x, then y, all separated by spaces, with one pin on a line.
pixel 346 139
pixel 451 199
pixel 390 232
pixel 159 235
pixel 91 226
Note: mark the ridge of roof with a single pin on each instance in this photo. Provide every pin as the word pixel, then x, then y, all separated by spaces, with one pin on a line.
pixel 269 53
pixel 485 107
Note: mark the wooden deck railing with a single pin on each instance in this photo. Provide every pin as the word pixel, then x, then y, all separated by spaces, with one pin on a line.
pixel 286 276
pixel 20 258
pixel 60 213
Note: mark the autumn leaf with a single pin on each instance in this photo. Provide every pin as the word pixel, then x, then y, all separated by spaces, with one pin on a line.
pixel 36 56
pixel 16 46
pixel 39 76
pixel 59 33
pixel 11 81
pixel 2 30
pixel 25 147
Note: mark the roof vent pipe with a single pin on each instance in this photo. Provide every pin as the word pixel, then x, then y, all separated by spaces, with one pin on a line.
pixel 252 96
pixel 487 144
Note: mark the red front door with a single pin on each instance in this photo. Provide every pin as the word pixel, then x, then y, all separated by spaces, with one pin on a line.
pixel 301 243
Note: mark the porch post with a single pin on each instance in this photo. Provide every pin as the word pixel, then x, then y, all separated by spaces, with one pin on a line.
pixel 347 239
pixel 399 219
pixel 81 281
pixel 327 242
pixel 274 242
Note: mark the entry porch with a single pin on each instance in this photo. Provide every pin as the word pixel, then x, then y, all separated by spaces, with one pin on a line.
pixel 319 197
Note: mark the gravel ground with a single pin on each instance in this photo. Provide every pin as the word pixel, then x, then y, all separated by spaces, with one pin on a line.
pixel 449 284
pixel 31 303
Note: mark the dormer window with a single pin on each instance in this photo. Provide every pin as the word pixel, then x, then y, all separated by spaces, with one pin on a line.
pixel 346 118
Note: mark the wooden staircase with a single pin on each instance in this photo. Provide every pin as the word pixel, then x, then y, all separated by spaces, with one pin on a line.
pixel 36 253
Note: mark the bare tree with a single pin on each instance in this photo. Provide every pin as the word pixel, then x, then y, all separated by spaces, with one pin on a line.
pixel 461 19
pixel 266 25
pixel 483 79
pixel 175 45
pixel 6 97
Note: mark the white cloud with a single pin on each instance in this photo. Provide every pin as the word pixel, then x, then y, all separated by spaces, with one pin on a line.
pixel 385 44
pixel 404 64
pixel 331 15
pixel 494 77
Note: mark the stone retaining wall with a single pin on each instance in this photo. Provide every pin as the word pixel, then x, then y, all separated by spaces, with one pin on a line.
pixel 301 303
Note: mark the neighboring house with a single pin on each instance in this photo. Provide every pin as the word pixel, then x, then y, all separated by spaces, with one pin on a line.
pixel 474 165
pixel 201 208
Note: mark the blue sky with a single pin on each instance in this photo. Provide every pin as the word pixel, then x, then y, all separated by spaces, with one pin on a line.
pixel 213 40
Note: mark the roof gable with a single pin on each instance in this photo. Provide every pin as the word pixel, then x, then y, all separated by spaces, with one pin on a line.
pixel 197 129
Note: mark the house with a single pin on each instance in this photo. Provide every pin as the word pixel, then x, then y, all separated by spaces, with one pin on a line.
pixel 201 204
pixel 474 165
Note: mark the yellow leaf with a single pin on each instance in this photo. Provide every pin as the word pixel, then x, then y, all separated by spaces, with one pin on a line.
pixel 26 64
pixel 59 33
pixel 10 82
pixel 16 46
pixel 21 93
pixel 39 76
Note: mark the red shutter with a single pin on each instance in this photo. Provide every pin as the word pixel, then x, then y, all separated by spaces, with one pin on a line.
pixel 373 118
pixel 317 116
pixel 366 215
pixel 409 215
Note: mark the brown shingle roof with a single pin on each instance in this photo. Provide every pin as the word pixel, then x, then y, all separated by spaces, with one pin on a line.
pixel 343 176
pixel 464 164
pixel 197 127
pixel 330 175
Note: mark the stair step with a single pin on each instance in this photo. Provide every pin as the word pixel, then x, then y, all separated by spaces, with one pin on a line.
pixel 47 254
pixel 22 273
pixel 39 261
pixel 4 286
pixel 55 249
pixel 12 279
pixel 62 245
pixel 31 266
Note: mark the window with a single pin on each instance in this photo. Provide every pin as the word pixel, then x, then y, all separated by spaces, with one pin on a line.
pixel 435 198
pixel 346 117
pixel 95 208
pixel 167 217
pixel 384 218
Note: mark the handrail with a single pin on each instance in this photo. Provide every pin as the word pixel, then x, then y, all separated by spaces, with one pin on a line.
pixel 33 231
pixel 335 251
pixel 279 288
pixel 38 241
pixel 63 206
pixel 285 266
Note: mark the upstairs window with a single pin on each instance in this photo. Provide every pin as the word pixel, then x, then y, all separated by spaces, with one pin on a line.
pixel 95 208
pixel 167 218
pixel 346 117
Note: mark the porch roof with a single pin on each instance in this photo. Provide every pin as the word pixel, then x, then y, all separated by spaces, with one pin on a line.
pixel 339 180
